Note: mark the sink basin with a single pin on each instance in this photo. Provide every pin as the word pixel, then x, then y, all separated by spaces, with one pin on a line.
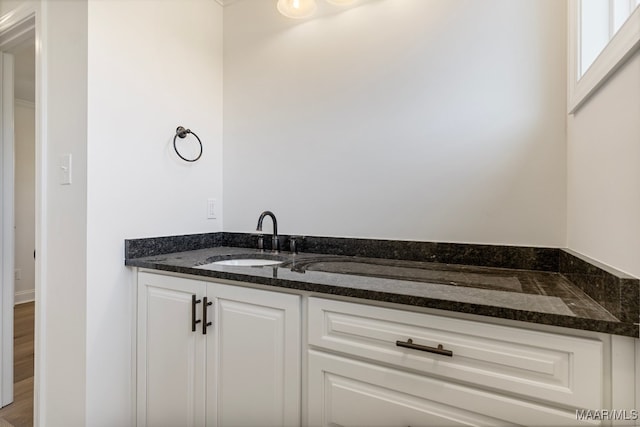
pixel 248 262
pixel 242 262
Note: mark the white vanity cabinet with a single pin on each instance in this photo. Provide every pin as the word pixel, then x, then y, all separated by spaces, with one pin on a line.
pixel 358 364
pixel 360 372
pixel 241 370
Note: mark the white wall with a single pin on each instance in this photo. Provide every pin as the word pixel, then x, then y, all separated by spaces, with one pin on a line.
pixel 61 316
pixel 152 66
pixel 429 120
pixel 604 173
pixel 25 198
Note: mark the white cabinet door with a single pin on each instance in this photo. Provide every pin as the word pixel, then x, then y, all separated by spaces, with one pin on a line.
pixel 253 364
pixel 171 356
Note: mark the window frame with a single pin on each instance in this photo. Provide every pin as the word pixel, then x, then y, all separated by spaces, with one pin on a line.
pixel 621 47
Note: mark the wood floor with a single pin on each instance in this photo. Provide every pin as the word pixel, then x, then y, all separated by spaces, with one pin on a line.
pixel 20 412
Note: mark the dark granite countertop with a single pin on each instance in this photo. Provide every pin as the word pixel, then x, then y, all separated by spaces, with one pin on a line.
pixel 544 297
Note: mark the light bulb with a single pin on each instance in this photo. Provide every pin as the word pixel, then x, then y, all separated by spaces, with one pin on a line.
pixel 297 9
pixel 341 2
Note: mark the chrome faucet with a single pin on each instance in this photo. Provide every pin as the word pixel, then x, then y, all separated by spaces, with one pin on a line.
pixel 275 241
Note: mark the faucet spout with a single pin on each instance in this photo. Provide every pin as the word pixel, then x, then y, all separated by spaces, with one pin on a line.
pixel 275 246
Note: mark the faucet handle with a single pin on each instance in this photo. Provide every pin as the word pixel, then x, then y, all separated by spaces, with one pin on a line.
pixel 261 242
pixel 294 243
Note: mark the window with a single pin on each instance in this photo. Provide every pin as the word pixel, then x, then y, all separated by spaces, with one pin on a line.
pixel 602 35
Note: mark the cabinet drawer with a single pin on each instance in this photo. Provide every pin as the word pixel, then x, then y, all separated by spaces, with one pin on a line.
pixel 561 369
pixel 344 392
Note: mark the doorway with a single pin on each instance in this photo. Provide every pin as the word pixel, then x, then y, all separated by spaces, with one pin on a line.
pixel 18 195
pixel 25 172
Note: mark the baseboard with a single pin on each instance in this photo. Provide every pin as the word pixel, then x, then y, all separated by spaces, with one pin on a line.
pixel 25 296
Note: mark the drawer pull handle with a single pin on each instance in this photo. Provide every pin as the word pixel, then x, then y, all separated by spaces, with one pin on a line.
pixel 205 323
pixel 194 301
pixel 437 350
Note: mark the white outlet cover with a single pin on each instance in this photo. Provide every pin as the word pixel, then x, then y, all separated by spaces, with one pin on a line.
pixel 211 209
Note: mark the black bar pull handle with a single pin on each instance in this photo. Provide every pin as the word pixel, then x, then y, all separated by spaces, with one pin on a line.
pixel 204 316
pixel 437 350
pixel 194 322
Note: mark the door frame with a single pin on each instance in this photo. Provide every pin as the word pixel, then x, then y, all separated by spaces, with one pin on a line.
pixel 17 26
pixel 7 223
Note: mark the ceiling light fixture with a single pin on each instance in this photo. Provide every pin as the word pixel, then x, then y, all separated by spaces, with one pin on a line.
pixel 297 9
pixel 300 9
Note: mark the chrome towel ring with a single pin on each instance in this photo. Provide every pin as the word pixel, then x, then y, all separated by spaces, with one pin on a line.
pixel 182 133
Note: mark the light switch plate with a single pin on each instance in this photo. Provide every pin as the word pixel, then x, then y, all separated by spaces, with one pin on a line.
pixel 65 169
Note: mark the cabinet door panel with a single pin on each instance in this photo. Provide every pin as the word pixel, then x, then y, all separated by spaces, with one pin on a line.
pixel 171 357
pixel 256 379
pixel 349 393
